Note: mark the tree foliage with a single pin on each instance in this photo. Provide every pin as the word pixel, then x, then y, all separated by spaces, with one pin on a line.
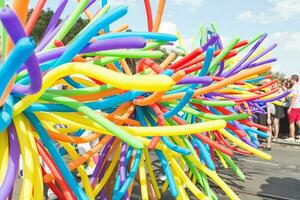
pixel 41 24
pixel 44 20
pixel 275 75
pixel 278 75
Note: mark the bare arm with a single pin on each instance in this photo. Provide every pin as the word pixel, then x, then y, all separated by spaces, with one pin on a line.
pixel 295 94
pixel 293 102
pixel 268 114
pixel 268 111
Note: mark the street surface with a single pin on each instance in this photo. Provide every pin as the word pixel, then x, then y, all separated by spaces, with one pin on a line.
pixel 265 180
pixel 275 179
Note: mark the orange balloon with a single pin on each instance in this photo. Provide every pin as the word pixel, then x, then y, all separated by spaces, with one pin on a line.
pixel 213 87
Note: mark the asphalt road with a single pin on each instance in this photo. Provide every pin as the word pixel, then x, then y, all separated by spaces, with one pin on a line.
pixel 275 179
pixel 265 180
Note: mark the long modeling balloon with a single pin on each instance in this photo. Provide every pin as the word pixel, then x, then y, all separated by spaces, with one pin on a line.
pixel 96 106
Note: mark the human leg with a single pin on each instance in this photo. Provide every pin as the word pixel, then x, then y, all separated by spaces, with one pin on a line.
pixel 298 122
pixel 269 139
pixel 276 127
pixel 292 120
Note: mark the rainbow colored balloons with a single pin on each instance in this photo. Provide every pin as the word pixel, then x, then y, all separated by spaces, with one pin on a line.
pixel 192 109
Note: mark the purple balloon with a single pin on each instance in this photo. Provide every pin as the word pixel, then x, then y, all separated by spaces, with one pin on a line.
pixel 102 192
pixel 210 42
pixel 48 37
pixel 100 45
pixel 263 62
pixel 89 4
pixel 259 108
pixel 54 19
pixel 238 66
pixel 244 139
pixel 194 79
pixel 15 30
pixel 13 164
pixel 123 166
pixel 222 95
pixel 274 98
pixel 222 64
pixel 248 64
pixel 100 161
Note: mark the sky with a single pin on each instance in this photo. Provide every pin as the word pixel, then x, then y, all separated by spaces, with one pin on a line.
pixel 234 18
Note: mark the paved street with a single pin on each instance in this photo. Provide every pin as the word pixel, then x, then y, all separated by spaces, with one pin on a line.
pixel 275 179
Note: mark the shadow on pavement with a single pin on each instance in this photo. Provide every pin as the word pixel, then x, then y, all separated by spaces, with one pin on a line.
pixel 287 188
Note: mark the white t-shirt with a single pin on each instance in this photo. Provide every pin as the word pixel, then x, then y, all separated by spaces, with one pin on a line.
pixel 271 108
pixel 296 92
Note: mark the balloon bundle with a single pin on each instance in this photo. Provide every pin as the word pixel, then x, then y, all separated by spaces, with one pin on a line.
pixel 190 111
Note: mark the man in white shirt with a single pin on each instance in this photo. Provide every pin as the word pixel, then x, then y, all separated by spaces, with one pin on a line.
pixel 294 109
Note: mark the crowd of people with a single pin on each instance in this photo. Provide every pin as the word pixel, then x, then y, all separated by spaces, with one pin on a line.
pixel 283 118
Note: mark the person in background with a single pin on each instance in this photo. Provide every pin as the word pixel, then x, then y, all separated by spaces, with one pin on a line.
pixel 284 122
pixel 279 114
pixel 270 117
pixel 264 119
pixel 286 85
pixel 294 109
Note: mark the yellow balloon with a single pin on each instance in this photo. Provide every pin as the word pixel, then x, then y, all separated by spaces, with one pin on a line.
pixel 4 152
pixel 27 157
pixel 84 177
pixel 148 83
pixel 244 145
pixel 143 180
pixel 83 122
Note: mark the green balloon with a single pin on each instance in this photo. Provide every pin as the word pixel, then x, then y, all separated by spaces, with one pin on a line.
pixel 233 166
pixel 127 54
pixel 69 24
pixel 99 119
pixel 80 91
pixel 213 103
pixel 199 114
pixel 214 64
